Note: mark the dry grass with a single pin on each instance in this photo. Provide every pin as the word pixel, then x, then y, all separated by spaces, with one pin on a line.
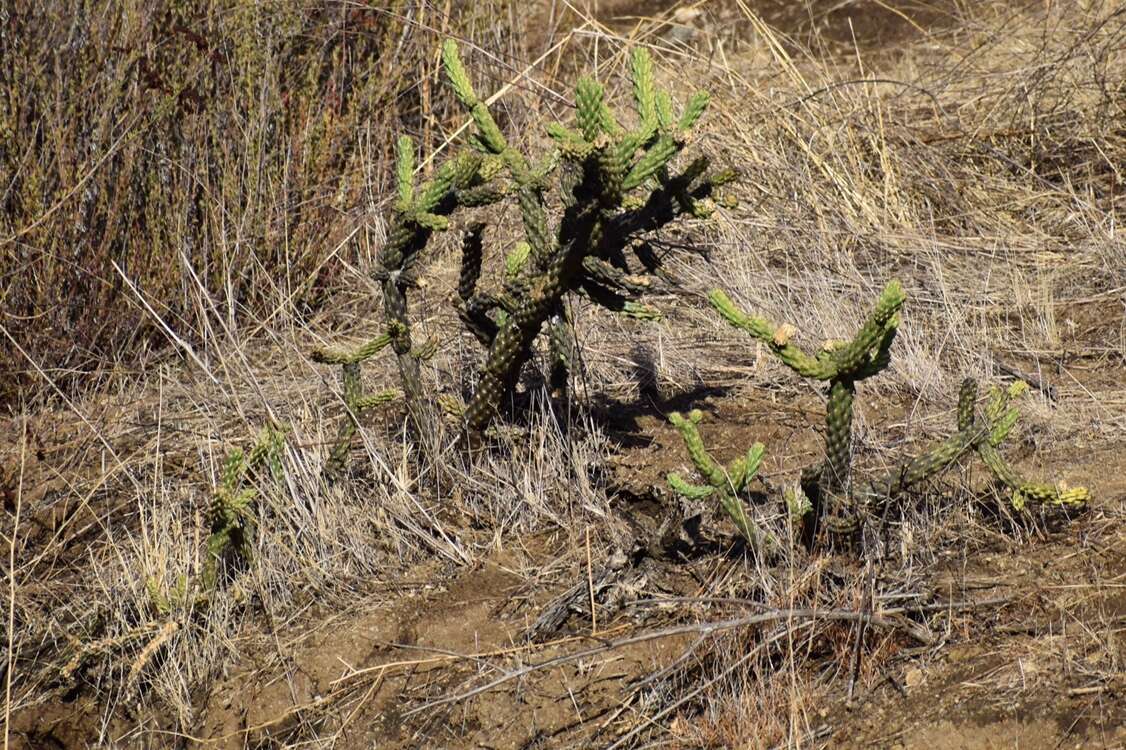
pixel 980 163
pixel 173 151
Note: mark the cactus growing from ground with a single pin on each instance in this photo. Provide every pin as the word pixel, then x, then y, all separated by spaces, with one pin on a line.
pixel 615 186
pixel 417 213
pixel 231 517
pixel 355 402
pixel 727 483
pixel 843 365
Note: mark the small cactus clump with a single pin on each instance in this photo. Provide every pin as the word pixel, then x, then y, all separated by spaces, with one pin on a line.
pixel 231 517
pixel 842 365
pixel 355 402
pixel 727 483
pixel 827 495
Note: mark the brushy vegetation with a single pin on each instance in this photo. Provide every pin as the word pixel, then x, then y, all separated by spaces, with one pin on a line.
pixel 154 153
pixel 152 559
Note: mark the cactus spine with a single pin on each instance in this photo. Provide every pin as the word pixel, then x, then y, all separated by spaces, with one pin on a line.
pixel 725 483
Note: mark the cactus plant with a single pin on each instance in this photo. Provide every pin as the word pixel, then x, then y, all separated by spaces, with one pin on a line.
pixel 726 483
pixel 842 364
pixel 615 186
pixel 231 516
pixel 418 212
pixel 827 496
pixel 355 402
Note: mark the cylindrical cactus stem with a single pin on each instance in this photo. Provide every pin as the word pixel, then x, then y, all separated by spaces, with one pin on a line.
pixel 561 352
pixel 350 382
pixel 838 436
pixel 472 256
pixel 967 397
pixel 706 466
pixel 999 466
pixel 475 314
pixel 395 305
pixel 725 483
pixel 924 466
pixel 778 339
pixel 1024 490
pixel 513 342
pixel 858 352
pixel 335 356
pixel 355 404
pixel 605 273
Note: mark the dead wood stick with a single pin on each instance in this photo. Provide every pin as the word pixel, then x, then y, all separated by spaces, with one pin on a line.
pixel 916 632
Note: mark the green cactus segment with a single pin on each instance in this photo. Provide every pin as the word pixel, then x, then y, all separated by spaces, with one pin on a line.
pixel 869 340
pixel 562 351
pixel 516 260
pixel 761 329
pixel 336 356
pixel 231 518
pixel 920 468
pixel 838 435
pixel 742 470
pixel 705 465
pixel 597 162
pixel 588 100
pixel 864 356
pixel 691 491
pixel 967 398
pixel 644 87
pixel 983 436
pixel 1001 418
pixel 725 483
pixel 472 256
pixel 487 129
pixel 404 173
pixel 355 403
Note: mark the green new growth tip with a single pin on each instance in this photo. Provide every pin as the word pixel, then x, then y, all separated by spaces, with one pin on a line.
pixel 725 483
pixel 1000 420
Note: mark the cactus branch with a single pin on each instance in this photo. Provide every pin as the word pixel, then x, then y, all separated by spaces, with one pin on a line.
pixel 725 483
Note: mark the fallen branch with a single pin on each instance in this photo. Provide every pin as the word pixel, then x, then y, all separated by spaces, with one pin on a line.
pixel 918 633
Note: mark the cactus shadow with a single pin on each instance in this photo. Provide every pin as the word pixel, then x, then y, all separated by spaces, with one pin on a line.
pixel 629 422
